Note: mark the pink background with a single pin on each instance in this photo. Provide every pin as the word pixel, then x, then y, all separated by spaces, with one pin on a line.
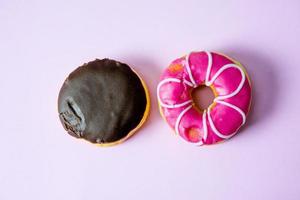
pixel 42 41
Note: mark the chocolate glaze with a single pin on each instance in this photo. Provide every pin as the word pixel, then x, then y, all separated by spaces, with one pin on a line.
pixel 102 101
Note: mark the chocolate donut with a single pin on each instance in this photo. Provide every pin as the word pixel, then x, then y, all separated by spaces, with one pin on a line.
pixel 103 102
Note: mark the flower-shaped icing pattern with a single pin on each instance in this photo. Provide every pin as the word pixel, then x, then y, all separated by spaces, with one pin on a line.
pixel 222 119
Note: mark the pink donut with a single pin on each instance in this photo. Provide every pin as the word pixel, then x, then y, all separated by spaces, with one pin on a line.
pixel 222 119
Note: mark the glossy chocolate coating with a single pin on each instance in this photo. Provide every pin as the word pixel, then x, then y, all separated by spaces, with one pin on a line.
pixel 102 101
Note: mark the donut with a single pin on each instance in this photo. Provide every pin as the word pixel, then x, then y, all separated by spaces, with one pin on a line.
pixel 103 102
pixel 223 118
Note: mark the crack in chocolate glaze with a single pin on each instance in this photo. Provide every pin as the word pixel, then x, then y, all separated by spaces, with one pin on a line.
pixel 72 119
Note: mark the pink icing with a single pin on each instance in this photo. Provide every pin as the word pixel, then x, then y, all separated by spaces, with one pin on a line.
pixel 225 119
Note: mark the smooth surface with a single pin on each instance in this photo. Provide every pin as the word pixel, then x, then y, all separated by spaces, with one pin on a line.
pixel 41 42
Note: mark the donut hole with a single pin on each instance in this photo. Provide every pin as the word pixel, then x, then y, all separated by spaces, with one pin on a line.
pixel 203 97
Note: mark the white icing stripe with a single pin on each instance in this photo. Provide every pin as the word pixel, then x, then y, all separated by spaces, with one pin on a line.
pixel 200 143
pixel 167 80
pixel 179 118
pixel 217 99
pixel 176 105
pixel 227 66
pixel 204 125
pixel 188 83
pixel 177 126
pixel 209 65
pixel 212 126
pixel 187 65
pixel 235 108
